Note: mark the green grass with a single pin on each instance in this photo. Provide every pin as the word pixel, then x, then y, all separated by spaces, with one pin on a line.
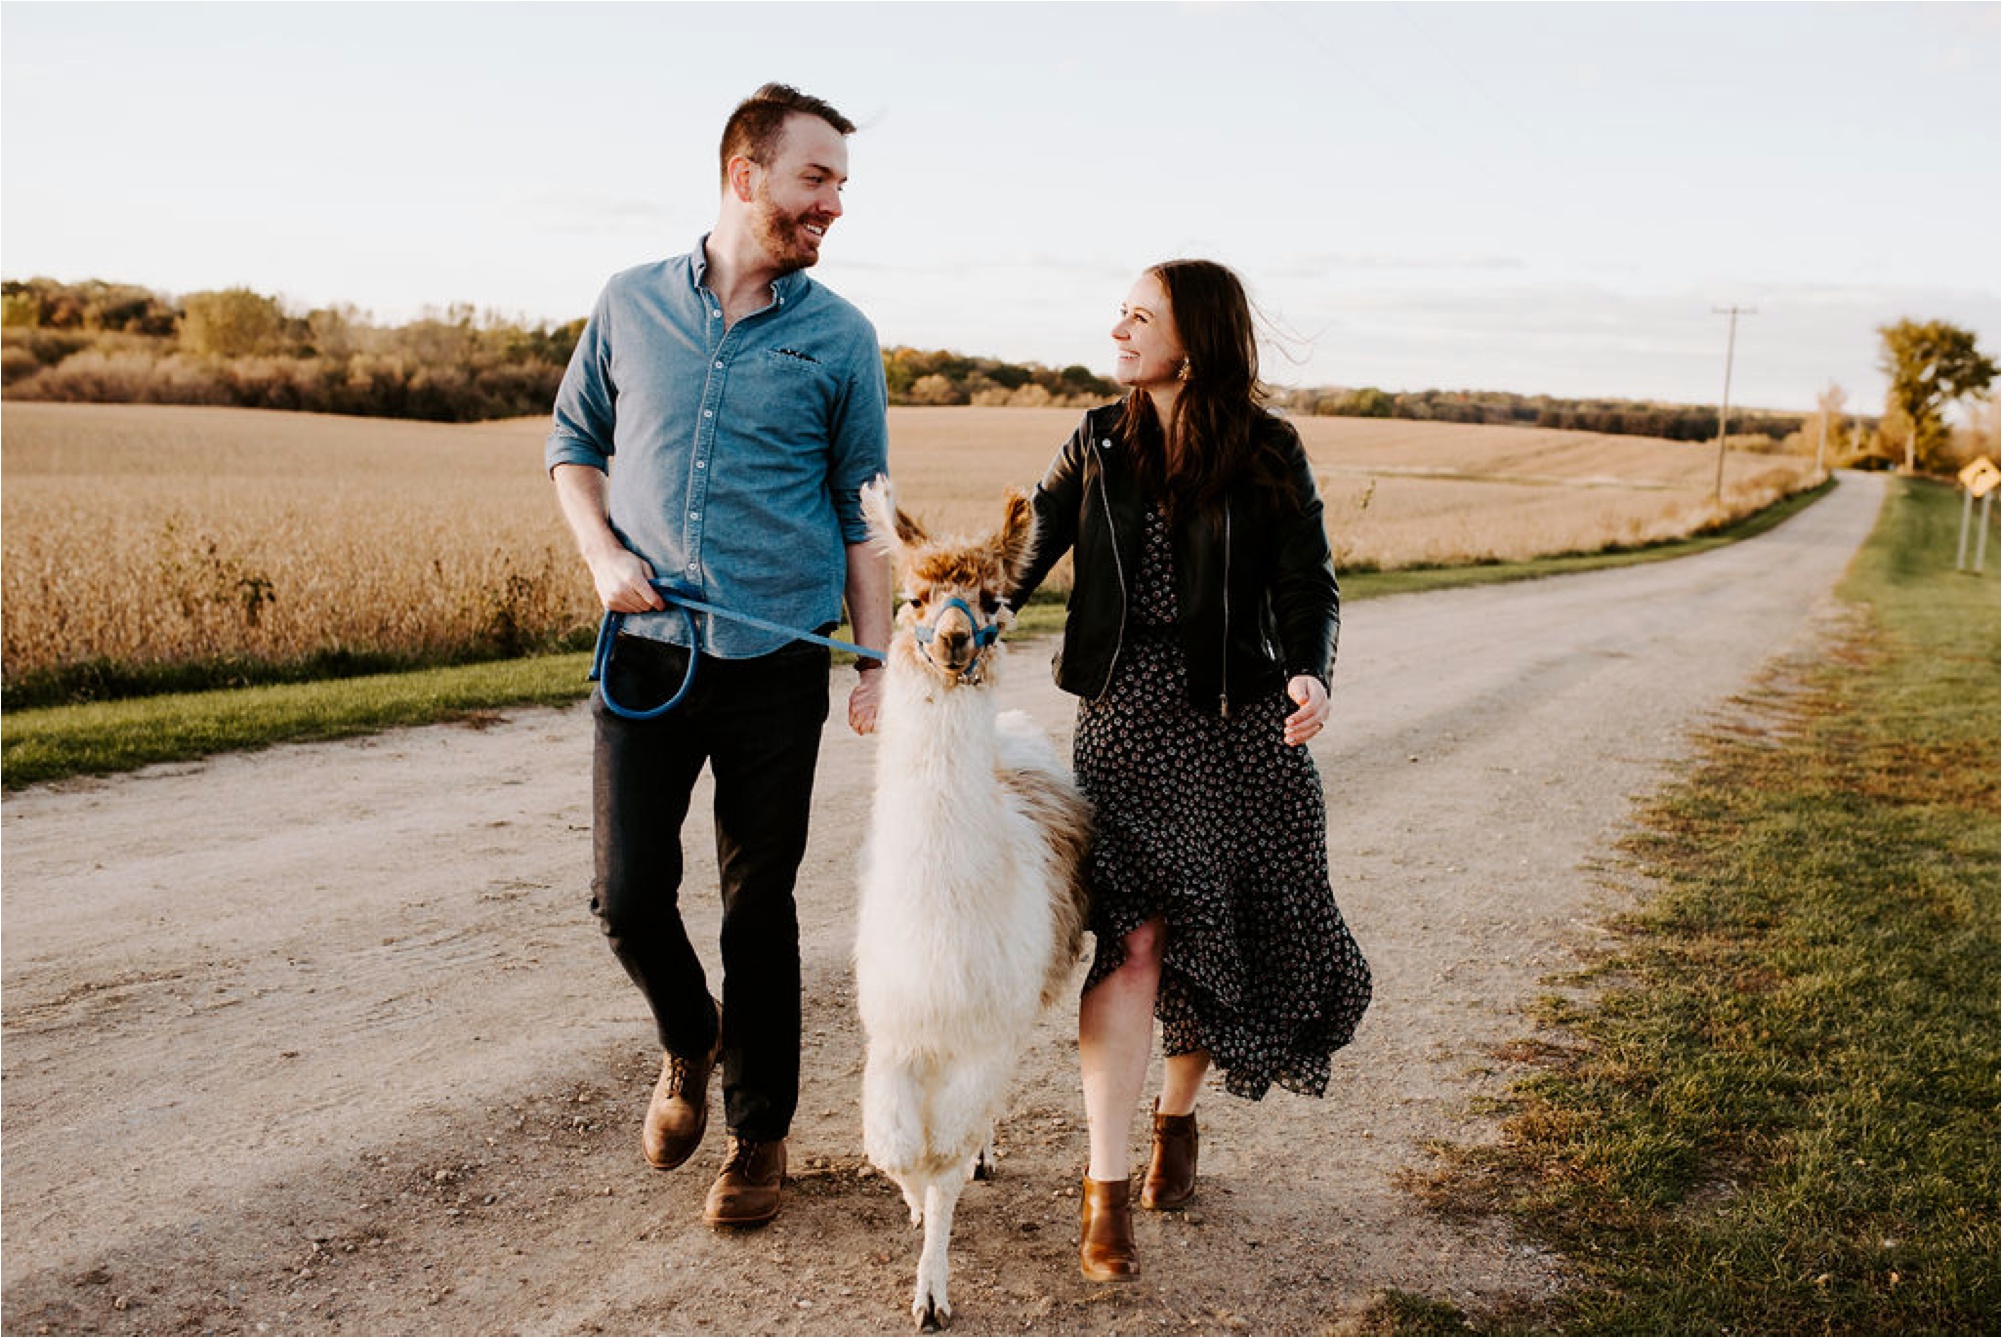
pixel 1776 1111
pixel 43 743
pixel 103 679
pixel 104 737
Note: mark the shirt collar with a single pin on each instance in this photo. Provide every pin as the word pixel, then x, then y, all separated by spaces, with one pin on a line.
pixel 698 268
pixel 786 288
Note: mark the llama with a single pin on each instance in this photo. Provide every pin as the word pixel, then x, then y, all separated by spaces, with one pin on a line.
pixel 973 902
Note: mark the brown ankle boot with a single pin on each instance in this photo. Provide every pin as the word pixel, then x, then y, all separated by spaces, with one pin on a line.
pixel 679 1111
pixel 1171 1176
pixel 747 1193
pixel 1105 1248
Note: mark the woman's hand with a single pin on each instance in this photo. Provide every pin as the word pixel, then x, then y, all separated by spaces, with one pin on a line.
pixel 1306 722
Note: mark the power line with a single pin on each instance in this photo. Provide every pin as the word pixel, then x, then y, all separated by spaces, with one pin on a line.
pixel 1466 77
pixel 1361 75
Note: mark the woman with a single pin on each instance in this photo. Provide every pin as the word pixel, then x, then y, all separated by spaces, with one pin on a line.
pixel 1201 629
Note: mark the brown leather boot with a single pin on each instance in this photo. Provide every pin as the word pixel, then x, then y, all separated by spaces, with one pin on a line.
pixel 1105 1246
pixel 679 1111
pixel 747 1193
pixel 1171 1176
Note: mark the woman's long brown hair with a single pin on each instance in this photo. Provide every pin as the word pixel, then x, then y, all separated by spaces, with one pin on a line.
pixel 1212 440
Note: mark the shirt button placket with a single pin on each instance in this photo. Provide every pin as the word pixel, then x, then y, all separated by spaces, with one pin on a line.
pixel 705 445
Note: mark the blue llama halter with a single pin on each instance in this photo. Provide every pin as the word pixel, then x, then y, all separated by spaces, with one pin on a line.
pixel 984 635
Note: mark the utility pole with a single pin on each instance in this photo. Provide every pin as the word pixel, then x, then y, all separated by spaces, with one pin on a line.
pixel 1724 411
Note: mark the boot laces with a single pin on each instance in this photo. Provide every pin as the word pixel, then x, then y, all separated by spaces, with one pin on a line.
pixel 743 1153
pixel 677 1075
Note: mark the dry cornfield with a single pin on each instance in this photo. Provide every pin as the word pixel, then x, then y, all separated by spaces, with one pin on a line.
pixel 1398 493
pixel 148 534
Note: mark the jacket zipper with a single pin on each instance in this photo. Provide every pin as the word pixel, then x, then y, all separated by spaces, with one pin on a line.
pixel 1118 568
pixel 1223 702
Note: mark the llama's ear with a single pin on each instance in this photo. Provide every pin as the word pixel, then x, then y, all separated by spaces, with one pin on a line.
pixel 1017 536
pixel 889 528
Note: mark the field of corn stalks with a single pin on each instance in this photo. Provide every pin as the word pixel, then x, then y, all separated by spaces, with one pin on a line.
pixel 148 535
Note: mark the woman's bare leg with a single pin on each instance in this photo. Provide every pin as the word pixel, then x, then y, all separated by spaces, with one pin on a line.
pixel 1115 1036
pixel 1181 1080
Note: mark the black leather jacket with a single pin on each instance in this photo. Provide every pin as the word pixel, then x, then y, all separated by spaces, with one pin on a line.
pixel 1257 592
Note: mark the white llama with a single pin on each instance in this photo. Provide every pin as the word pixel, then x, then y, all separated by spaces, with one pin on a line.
pixel 973 901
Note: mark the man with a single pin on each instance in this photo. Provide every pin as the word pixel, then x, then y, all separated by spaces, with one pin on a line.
pixel 714 427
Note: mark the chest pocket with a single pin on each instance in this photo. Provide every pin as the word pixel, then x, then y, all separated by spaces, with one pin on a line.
pixel 783 397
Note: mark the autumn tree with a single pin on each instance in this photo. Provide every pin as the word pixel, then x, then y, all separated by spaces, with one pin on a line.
pixel 1826 422
pixel 1369 402
pixel 934 389
pixel 233 323
pixel 1931 366
pixel 1983 435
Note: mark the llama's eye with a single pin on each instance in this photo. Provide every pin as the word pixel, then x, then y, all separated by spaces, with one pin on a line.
pixel 990 604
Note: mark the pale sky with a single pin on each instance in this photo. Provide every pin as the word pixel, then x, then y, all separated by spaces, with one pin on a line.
pixel 1544 198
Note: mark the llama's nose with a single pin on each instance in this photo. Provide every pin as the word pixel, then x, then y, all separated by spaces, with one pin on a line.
pixel 954 633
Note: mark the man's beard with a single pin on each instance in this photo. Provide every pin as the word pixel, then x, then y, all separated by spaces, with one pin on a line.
pixel 780 235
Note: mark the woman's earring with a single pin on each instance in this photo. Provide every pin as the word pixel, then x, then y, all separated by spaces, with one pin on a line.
pixel 1183 374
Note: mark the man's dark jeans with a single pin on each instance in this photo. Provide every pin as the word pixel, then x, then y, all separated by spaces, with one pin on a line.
pixel 757 725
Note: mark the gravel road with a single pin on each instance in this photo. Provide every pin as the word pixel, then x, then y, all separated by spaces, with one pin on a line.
pixel 323 1039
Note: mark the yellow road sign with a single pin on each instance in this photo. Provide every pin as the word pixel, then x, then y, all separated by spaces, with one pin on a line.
pixel 1981 477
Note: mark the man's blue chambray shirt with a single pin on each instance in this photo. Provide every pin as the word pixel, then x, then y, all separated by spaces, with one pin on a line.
pixel 734 459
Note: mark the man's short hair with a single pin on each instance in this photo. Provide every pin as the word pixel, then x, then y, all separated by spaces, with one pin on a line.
pixel 754 129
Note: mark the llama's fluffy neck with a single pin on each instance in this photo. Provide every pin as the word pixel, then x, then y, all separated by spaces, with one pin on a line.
pixel 940 834
pixel 937 737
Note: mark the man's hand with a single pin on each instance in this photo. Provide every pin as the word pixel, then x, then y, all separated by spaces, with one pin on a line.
pixel 619 575
pixel 623 581
pixel 863 700
pixel 868 594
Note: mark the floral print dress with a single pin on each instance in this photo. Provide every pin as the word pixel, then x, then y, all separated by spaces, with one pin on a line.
pixel 1219 827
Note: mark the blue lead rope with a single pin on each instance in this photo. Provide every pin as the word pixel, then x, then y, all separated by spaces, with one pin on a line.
pixel 688 606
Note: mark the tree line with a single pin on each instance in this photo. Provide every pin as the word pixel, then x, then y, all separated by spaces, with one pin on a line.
pixel 1645 418
pixel 941 377
pixel 121 343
